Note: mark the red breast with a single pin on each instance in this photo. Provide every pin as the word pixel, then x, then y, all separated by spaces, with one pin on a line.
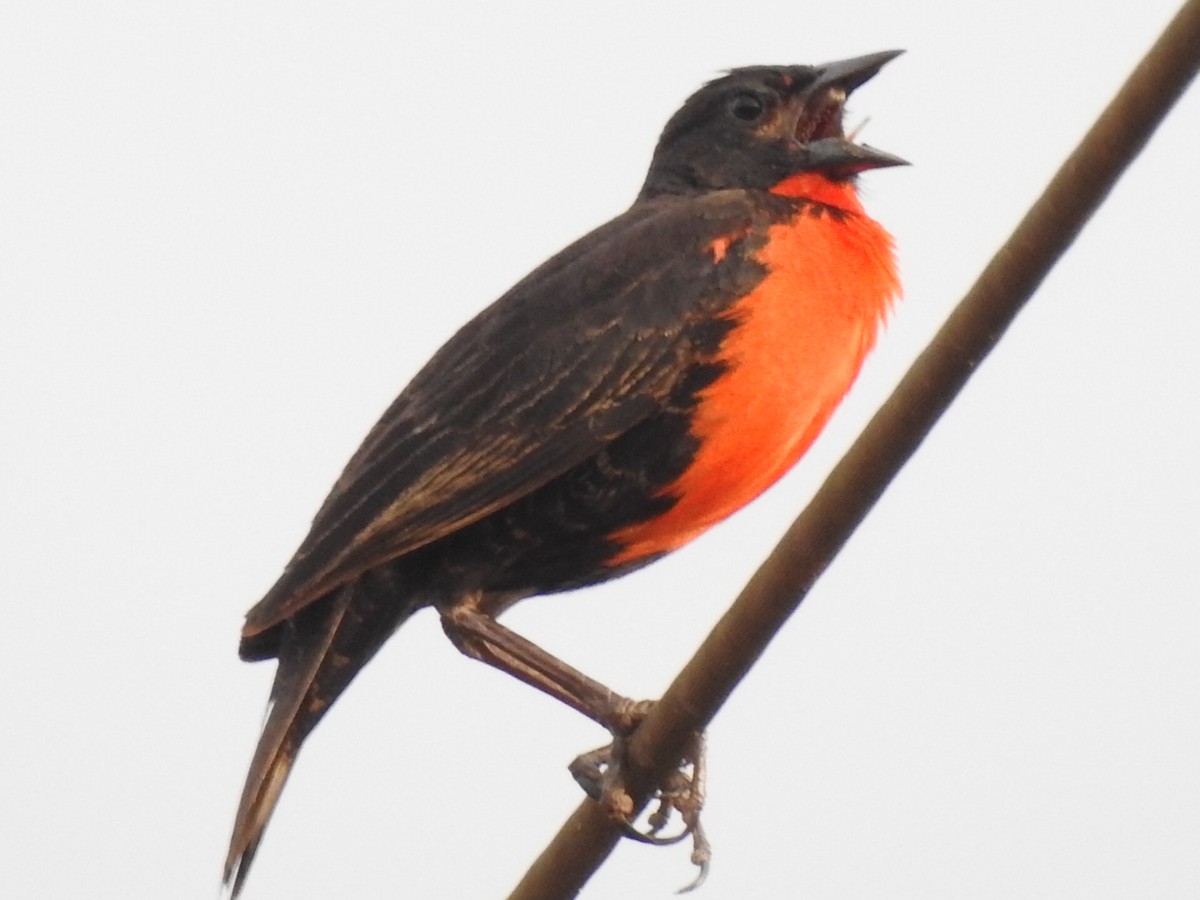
pixel 801 337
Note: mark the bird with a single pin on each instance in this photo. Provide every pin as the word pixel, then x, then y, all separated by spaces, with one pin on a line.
pixel 638 387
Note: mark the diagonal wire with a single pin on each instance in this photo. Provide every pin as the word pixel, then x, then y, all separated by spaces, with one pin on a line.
pixel 891 437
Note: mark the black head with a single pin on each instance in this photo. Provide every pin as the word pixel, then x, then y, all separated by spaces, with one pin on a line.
pixel 760 124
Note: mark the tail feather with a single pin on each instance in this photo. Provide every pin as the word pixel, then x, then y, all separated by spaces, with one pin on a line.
pixel 320 651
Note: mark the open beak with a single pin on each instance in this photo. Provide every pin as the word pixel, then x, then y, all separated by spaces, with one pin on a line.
pixel 817 129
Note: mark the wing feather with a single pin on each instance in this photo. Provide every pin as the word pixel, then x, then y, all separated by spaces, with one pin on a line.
pixel 587 346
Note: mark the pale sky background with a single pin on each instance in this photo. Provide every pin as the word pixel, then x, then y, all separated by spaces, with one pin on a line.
pixel 229 234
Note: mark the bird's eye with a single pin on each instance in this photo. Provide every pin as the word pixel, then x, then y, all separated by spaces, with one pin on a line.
pixel 747 107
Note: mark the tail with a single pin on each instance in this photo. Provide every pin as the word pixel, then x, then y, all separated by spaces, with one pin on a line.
pixel 320 650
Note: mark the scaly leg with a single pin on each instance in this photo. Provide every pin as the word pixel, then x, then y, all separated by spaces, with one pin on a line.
pixel 481 637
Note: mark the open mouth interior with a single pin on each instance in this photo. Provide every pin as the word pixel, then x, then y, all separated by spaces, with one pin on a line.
pixel 822 116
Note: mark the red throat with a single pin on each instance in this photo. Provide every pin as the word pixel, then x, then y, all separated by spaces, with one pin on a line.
pixel 822 189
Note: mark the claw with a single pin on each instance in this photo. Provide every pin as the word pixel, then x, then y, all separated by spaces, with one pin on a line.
pixel 588 770
pixel 598 772
pixel 651 837
pixel 701 876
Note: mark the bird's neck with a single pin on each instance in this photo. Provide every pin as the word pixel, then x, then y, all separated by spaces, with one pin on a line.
pixel 821 189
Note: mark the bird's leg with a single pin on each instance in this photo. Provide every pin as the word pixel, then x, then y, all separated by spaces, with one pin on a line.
pixel 481 637
pixel 599 772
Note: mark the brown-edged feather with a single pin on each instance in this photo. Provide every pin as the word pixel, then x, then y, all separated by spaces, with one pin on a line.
pixel 576 354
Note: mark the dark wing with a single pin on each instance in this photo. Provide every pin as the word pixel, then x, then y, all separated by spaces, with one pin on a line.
pixel 581 350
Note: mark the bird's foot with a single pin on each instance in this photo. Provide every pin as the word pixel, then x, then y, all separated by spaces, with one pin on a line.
pixel 599 773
